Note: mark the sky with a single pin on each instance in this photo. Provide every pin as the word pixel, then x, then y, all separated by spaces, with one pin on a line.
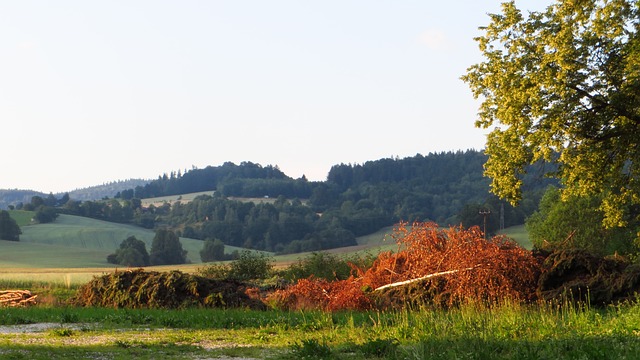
pixel 98 91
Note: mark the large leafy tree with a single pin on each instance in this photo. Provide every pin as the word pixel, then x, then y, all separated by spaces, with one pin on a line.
pixel 132 252
pixel 9 229
pixel 563 85
pixel 212 250
pixel 166 249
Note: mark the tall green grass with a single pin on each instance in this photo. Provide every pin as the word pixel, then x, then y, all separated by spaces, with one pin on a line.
pixel 507 331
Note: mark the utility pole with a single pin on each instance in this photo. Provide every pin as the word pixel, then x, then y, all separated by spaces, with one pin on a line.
pixel 485 213
pixel 501 217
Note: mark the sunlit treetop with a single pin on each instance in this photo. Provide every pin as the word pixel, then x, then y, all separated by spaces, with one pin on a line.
pixel 563 85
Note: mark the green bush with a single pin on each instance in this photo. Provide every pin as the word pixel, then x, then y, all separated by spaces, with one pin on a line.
pixel 325 266
pixel 251 265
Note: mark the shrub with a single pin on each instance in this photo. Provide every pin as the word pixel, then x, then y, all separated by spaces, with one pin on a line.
pixel 212 250
pixel 251 265
pixel 319 265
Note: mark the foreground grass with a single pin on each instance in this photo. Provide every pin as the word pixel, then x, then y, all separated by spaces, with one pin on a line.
pixel 472 332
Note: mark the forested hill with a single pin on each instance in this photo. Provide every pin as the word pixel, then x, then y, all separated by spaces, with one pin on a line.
pixel 436 169
pixel 362 198
pixel 433 187
pixel 355 200
pixel 209 178
pixel 110 189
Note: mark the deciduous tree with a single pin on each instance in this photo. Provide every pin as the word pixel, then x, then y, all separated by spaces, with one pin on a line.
pixel 166 249
pixel 563 85
pixel 9 229
pixel 212 250
pixel 132 252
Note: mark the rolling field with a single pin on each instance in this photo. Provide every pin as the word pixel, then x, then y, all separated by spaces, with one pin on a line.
pixel 101 237
pixel 185 198
pixel 159 201
pixel 23 218
pixel 74 249
pixel 520 235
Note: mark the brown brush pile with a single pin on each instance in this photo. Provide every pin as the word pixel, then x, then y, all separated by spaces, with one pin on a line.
pixel 577 275
pixel 432 266
pixel 150 289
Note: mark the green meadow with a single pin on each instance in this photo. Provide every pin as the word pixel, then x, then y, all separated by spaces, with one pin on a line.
pixel 507 331
pixel 53 260
pixel 73 241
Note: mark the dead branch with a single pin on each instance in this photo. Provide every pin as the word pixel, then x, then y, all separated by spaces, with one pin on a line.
pixel 400 283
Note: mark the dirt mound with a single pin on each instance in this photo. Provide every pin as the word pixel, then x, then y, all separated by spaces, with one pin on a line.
pixel 150 289
pixel 580 276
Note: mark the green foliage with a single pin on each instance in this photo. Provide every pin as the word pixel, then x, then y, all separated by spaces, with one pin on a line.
pixel 248 265
pixel 326 266
pixel 9 229
pixel 166 249
pixel 355 200
pixel 62 332
pixel 508 331
pixel 576 222
pixel 562 86
pixel 45 214
pixel 212 250
pixel 214 271
pixel 380 348
pixel 311 349
pixel 132 252
pixel 251 265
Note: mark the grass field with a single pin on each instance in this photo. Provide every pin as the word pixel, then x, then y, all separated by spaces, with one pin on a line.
pixel 85 237
pixel 74 249
pixel 23 218
pixel 508 331
pixel 185 198
pixel 520 235
pixel 159 201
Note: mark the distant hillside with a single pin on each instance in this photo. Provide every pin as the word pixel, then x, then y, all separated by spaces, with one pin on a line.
pixel 105 190
pixel 355 200
pixel 15 196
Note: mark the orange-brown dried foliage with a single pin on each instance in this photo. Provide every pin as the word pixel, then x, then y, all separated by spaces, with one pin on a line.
pixel 320 294
pixel 486 270
pixel 480 270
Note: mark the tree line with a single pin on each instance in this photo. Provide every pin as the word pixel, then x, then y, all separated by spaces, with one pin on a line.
pixel 301 215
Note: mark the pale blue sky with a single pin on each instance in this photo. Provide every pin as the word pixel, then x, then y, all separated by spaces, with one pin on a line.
pixel 97 91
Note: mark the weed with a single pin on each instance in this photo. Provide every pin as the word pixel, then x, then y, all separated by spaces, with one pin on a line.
pixel 68 317
pixel 379 348
pixel 311 349
pixel 61 332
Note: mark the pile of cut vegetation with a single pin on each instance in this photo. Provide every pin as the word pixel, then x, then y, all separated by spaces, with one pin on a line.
pixel 150 289
pixel 442 268
pixel 577 275
pixel 433 266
